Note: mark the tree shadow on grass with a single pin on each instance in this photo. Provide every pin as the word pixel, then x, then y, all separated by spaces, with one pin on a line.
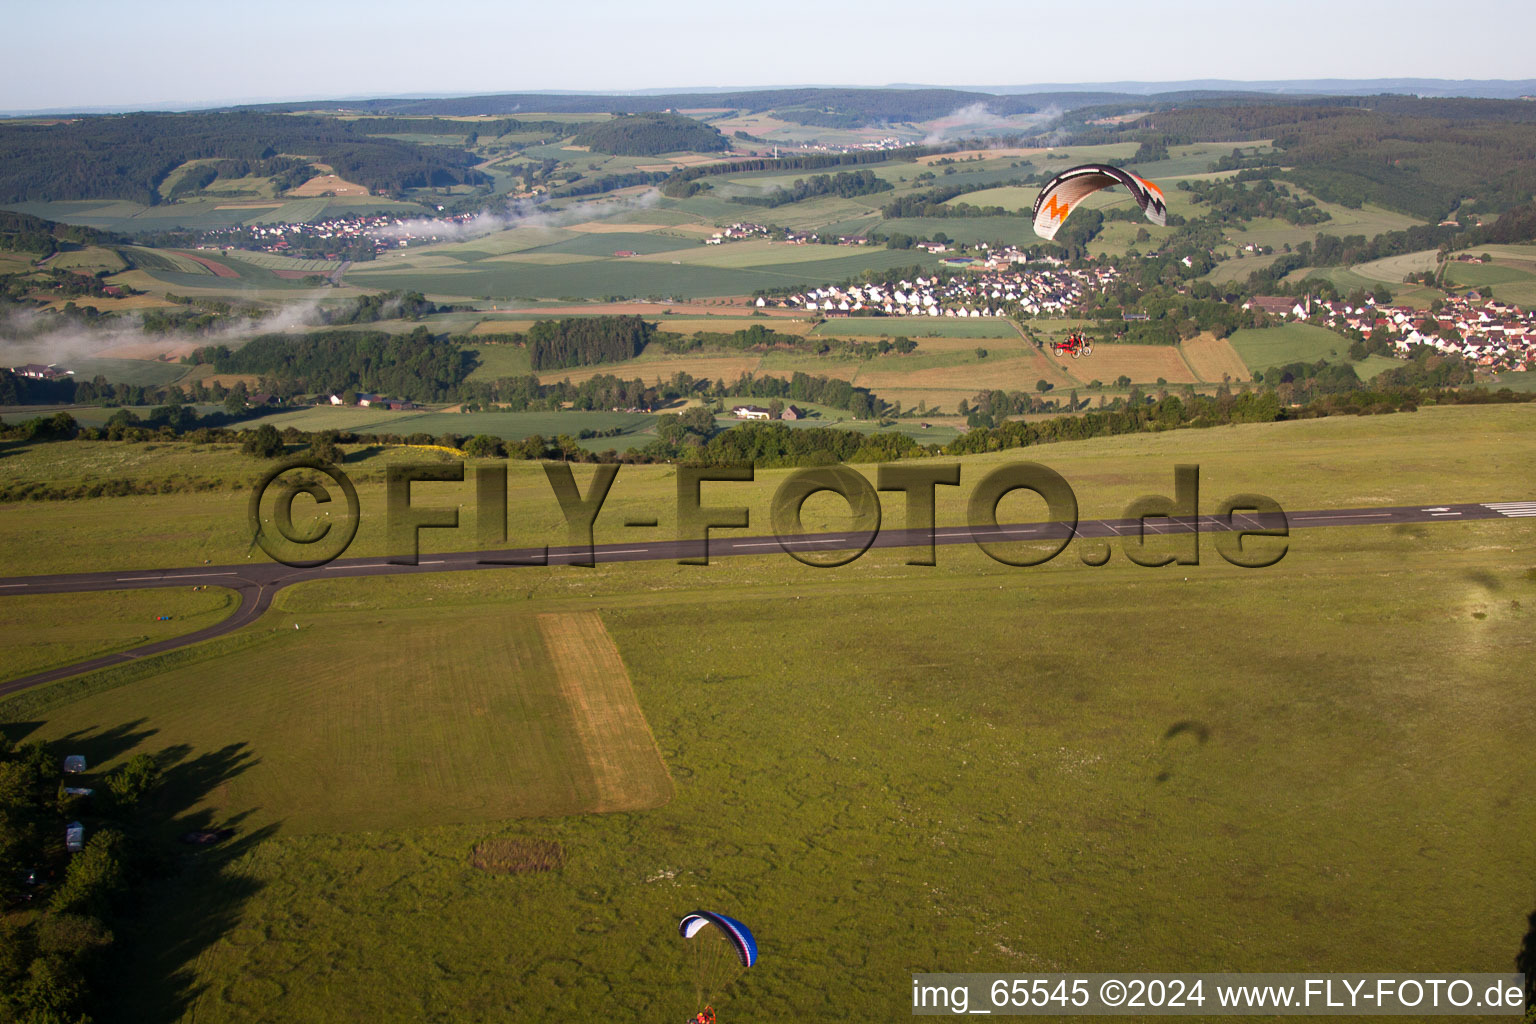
pixel 1525 963
pixel 191 895
pixel 102 745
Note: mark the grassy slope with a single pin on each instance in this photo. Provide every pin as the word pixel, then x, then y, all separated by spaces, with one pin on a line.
pixel 851 791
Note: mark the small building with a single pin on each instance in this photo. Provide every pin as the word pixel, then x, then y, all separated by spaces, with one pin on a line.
pixel 1274 305
pixel 74 764
pixel 751 412
pixel 39 372
pixel 792 413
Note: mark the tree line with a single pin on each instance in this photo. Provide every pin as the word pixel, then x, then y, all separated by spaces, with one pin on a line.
pixel 759 338
pixel 844 184
pixel 53 957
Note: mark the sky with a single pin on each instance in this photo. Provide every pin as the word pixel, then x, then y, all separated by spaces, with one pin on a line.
pixel 170 54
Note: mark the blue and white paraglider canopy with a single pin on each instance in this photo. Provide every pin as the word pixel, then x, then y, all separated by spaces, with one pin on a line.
pixel 736 932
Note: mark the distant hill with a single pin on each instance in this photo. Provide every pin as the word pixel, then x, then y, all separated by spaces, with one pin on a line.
pixel 1495 89
pixel 22 232
pixel 888 103
pixel 651 134
pixel 128 157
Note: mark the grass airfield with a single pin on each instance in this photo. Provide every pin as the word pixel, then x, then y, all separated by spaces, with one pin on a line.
pixel 874 790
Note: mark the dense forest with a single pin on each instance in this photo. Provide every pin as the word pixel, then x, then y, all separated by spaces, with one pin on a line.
pixel 128 157
pixel 585 341
pixel 417 365
pixel 650 135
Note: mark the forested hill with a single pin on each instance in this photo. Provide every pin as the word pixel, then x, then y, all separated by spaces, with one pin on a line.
pixel 128 157
pixel 651 134
pixel 23 232
pixel 874 104
pixel 1423 157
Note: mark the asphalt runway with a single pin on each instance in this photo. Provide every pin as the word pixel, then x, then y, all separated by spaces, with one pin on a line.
pixel 255 583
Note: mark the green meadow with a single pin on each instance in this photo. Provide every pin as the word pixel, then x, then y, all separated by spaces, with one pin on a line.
pixel 1262 348
pixel 1323 765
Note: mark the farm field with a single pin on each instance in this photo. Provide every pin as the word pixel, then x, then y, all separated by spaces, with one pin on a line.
pixel 127 371
pixel 918 328
pixel 1511 276
pixel 1300 343
pixel 1369 220
pixel 588 268
pixel 89 260
pixel 1393 269
pixel 1155 786
pixel 204 213
pixel 1213 358
pixel 501 360
pixel 1144 364
pixel 1238 268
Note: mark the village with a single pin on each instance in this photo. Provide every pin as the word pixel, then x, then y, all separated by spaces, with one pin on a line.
pixel 994 288
pixel 339 236
pixel 1492 334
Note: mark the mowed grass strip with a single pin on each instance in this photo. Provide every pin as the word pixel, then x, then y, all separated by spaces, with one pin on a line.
pixel 620 751
pixel 362 720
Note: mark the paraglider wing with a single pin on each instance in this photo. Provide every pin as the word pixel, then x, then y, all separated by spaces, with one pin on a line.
pixel 735 932
pixel 1062 193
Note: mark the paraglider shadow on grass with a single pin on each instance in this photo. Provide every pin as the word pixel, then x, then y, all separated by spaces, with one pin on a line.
pixel 1199 730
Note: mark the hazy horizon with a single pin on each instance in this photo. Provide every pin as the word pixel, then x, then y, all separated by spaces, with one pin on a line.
pixel 222 57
